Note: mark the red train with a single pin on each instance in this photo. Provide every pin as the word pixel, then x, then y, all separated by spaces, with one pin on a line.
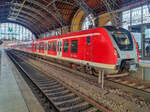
pixel 109 48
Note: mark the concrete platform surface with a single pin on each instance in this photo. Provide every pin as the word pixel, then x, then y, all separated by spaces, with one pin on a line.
pixel 12 97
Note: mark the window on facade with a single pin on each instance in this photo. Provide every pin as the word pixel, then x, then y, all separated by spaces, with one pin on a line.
pixel 88 22
pixel 54 46
pixel 49 46
pixel 136 16
pixel 74 46
pixel 126 19
pixel 66 46
pixel 137 36
pixel 146 14
pixel 15 32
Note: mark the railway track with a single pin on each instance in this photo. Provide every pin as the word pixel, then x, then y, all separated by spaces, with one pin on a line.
pixel 130 82
pixel 126 83
pixel 55 96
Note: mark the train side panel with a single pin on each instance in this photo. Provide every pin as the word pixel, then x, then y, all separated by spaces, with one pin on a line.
pixel 103 49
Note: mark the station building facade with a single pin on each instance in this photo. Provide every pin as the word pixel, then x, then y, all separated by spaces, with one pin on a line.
pixel 137 20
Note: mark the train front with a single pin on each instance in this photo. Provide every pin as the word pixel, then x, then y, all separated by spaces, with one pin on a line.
pixel 126 49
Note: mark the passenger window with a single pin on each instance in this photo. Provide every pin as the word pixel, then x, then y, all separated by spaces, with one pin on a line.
pixel 88 40
pixel 66 46
pixel 49 46
pixel 74 46
pixel 35 46
pixel 40 46
pixel 45 46
pixel 54 46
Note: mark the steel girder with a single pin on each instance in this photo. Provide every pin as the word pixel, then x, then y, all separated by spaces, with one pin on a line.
pixel 66 2
pixel 31 21
pixel 87 10
pixel 50 3
pixel 110 4
pixel 38 12
pixel 36 30
pixel 4 15
pixel 51 11
pixel 83 5
pixel 35 17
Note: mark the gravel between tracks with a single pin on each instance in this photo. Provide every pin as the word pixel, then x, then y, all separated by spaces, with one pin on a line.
pixel 110 98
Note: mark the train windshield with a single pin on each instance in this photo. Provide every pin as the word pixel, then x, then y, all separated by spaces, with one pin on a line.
pixel 122 38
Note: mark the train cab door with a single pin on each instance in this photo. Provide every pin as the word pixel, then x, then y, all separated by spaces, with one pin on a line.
pixel 59 47
pixel 88 48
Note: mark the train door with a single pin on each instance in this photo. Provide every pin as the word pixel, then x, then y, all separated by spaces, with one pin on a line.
pixel 43 47
pixel 33 46
pixel 59 47
pixel 88 48
pixel 46 47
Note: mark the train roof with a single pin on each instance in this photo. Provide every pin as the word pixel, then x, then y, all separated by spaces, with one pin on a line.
pixel 73 33
pixel 110 28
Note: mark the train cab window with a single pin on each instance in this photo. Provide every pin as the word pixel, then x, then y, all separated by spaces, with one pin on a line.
pixel 88 40
pixel 74 46
pixel 123 40
pixel 49 46
pixel 66 46
pixel 54 46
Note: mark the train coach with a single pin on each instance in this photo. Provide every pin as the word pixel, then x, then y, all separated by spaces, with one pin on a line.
pixel 112 49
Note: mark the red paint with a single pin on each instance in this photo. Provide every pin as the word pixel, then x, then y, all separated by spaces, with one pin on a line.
pixel 136 47
pixel 99 50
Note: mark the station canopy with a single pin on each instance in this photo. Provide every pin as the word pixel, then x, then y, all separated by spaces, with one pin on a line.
pixel 44 15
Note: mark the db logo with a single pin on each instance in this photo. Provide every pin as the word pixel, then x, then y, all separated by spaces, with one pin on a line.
pixel 128 55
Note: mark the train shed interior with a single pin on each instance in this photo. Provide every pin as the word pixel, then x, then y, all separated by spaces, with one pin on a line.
pixel 75 56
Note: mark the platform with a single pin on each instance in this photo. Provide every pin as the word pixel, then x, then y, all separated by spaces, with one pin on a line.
pixel 145 63
pixel 15 95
